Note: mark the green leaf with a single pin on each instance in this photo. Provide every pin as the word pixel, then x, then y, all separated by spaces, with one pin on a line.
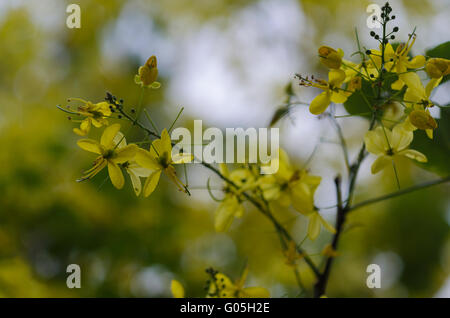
pixel 358 103
pixel 442 51
pixel 437 149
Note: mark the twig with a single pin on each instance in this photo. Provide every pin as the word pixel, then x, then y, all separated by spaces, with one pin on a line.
pixel 398 193
pixel 320 287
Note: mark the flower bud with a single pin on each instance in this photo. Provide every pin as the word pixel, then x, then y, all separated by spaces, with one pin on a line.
pixel 422 120
pixel 437 67
pixel 330 57
pixel 149 72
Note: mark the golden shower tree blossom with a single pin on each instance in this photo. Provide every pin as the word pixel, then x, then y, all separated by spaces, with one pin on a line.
pixel 95 114
pixel 231 205
pixel 398 61
pixel 332 91
pixel 297 187
pixel 417 100
pixel 109 155
pixel 135 171
pixel 388 145
pixel 159 159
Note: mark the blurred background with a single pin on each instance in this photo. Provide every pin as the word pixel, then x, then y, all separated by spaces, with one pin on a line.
pixel 227 63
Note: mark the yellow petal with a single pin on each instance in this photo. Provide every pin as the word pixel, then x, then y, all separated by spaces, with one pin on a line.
pixel 146 160
pixel 115 174
pixel 336 77
pixel 138 170
pixel 375 141
pixel 380 163
pixel 313 226
pixel 398 84
pixel 224 169
pixel 302 198
pixel 90 145
pixel 119 140
pixel 108 136
pixel 388 50
pixel 166 145
pixel 417 62
pixel 320 103
pixel 330 57
pixel 149 72
pixel 135 181
pixel 330 228
pixel 433 83
pixel 412 80
pixel 80 132
pixel 125 154
pixel 338 97
pixel 422 120
pixel 225 213
pixel 437 67
pixel 177 289
pixel 401 138
pixel 151 182
pixel 413 154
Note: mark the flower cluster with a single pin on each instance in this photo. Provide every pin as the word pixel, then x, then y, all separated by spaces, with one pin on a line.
pixel 377 68
pixel 289 186
pixel 113 151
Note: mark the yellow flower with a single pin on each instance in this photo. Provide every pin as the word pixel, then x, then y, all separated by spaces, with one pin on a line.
pixel 330 57
pixel 221 286
pixel 290 186
pixel 148 73
pixel 437 67
pixel 109 155
pixel 160 159
pixel 332 92
pixel 131 167
pixel 417 99
pixel 95 114
pixel 177 289
pixel 293 186
pixel 398 61
pixel 387 145
pixel 231 205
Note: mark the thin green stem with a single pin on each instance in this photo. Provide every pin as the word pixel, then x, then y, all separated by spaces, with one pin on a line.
pixel 178 116
pixel 147 115
pixel 342 141
pixel 398 193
